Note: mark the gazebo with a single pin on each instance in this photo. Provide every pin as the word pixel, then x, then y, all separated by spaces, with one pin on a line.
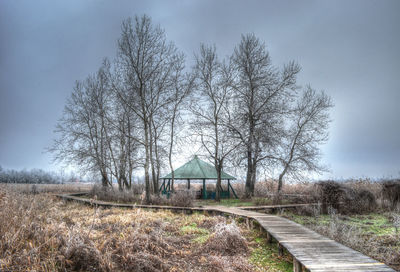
pixel 197 169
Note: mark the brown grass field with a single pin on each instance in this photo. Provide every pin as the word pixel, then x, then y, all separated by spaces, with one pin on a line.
pixel 42 233
pixel 47 188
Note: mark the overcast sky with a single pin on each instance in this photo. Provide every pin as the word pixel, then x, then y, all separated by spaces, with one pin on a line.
pixel 350 49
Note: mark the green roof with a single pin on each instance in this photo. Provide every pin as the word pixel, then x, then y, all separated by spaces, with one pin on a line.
pixel 197 169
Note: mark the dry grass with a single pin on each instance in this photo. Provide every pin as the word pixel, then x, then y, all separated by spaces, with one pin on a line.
pixel 268 187
pixel 181 198
pixel 41 233
pixel 226 239
pixel 47 188
pixel 114 195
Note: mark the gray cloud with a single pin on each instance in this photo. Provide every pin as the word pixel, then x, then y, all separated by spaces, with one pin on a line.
pixel 347 48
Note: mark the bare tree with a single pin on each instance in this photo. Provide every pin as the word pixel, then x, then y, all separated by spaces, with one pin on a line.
pixel 210 111
pixel 182 87
pixel 125 117
pixel 83 132
pixel 145 60
pixel 159 133
pixel 122 145
pixel 308 129
pixel 262 93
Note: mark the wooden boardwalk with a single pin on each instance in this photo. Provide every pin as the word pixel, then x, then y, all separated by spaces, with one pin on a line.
pixel 276 207
pixel 310 250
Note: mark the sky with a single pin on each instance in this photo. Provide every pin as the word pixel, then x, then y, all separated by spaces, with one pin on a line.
pixel 349 49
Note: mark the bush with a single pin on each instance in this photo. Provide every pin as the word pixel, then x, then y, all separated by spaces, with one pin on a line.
pixel 391 193
pixel 239 189
pixel 260 201
pixel 114 195
pixel 182 198
pixel 265 188
pixel 364 201
pixel 312 210
pixel 227 240
pixel 81 254
pixel 343 198
pixel 228 264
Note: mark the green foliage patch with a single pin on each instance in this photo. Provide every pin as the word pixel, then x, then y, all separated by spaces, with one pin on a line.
pixel 200 235
pixel 264 256
pixel 372 224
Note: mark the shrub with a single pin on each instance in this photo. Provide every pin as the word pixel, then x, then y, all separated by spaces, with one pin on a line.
pixel 343 198
pixel 228 264
pixel 391 193
pixel 312 210
pixel 81 254
pixel 34 189
pixel 239 189
pixel 113 195
pixel 365 184
pixel 364 201
pixel 330 194
pixel 182 198
pixel 395 218
pixel 160 200
pixel 265 188
pixel 227 240
pixel 260 201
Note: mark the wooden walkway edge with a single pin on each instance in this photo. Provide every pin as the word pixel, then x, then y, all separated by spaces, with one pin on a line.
pixel 310 250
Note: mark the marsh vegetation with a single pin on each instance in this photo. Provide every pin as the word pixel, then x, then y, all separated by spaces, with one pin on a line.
pixel 39 232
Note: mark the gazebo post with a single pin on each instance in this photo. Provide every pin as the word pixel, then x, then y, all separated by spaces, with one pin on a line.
pixel 204 189
pixel 229 194
pixel 188 185
pixel 160 190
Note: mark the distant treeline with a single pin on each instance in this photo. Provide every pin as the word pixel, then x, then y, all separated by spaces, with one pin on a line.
pixel 35 176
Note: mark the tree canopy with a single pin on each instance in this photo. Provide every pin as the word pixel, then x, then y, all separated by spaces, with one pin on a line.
pixel 241 110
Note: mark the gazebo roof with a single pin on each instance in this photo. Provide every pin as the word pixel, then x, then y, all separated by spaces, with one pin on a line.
pixel 197 169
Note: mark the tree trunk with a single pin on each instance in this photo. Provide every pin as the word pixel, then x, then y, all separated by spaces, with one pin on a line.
pixel 249 189
pixel 157 167
pixel 170 149
pixel 120 186
pixel 251 150
pixel 280 181
pixel 147 162
pixel 218 189
pixel 124 180
pixel 253 178
pixel 153 171
pixel 104 180
pixel 172 173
